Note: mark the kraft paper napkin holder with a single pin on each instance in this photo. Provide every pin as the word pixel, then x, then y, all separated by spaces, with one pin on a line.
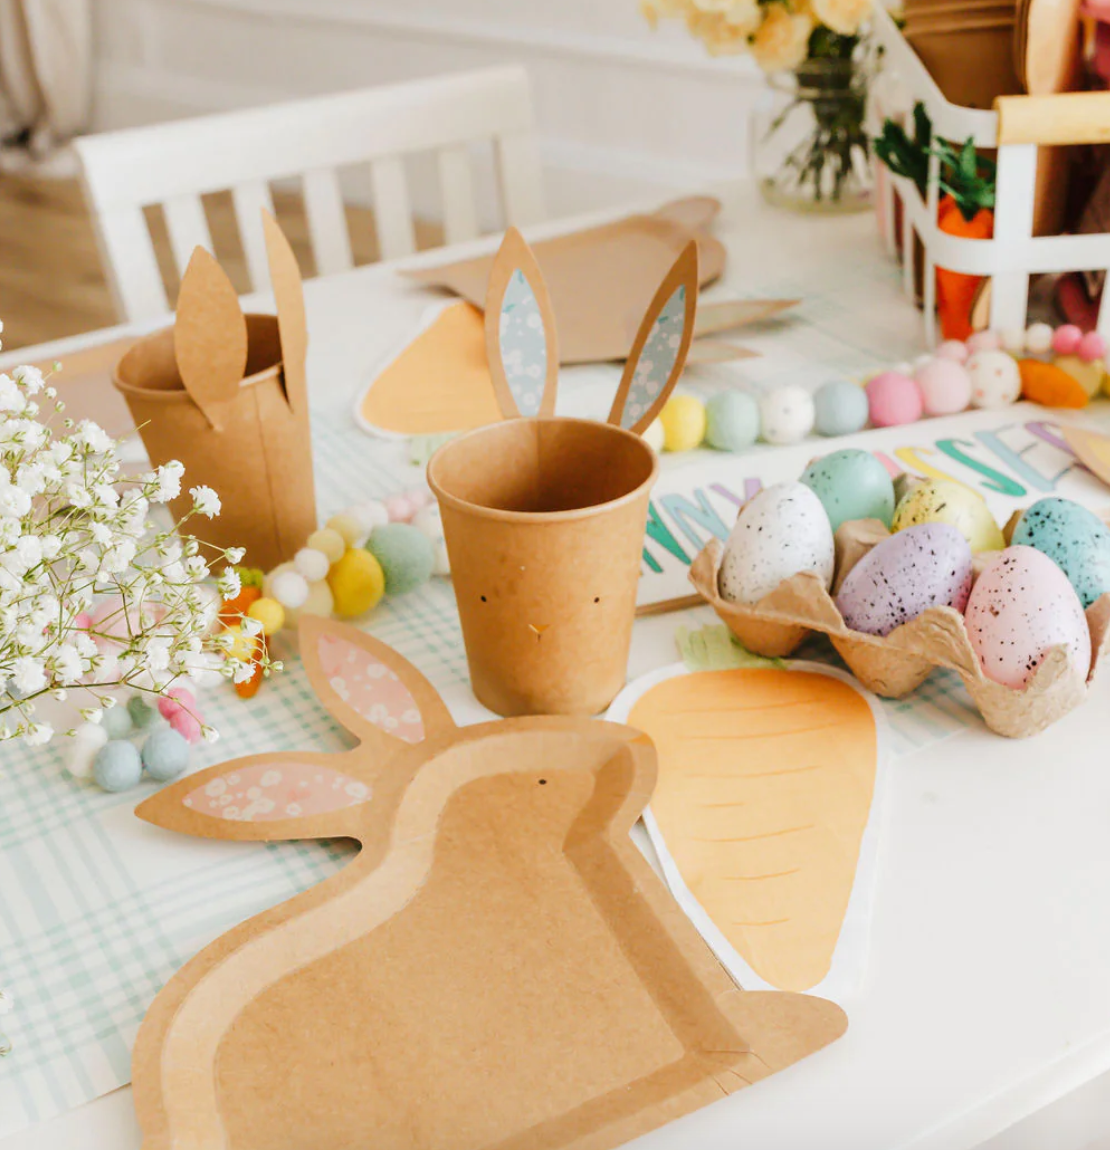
pixel 544 517
pixel 226 394
pixel 498 967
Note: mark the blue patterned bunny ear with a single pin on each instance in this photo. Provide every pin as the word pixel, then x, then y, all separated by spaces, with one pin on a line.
pixel 520 332
pixel 659 353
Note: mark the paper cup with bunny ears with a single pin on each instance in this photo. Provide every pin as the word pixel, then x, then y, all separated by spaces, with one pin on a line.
pixel 226 395
pixel 543 516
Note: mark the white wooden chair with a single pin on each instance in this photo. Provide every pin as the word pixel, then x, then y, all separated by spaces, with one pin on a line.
pixel 173 164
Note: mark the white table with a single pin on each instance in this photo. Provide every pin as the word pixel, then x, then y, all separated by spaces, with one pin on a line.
pixel 988 994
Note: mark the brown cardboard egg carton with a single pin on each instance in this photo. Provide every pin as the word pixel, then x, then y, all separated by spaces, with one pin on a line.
pixel 896 664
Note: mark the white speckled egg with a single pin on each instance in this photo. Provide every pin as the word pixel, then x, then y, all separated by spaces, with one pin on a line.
pixel 786 415
pixel 780 532
pixel 995 379
pixel 1021 607
pixel 924 566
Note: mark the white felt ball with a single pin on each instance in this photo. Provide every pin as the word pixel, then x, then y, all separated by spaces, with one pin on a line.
pixel 370 514
pixel 1012 339
pixel 312 564
pixel 653 435
pixel 429 521
pixel 82 749
pixel 995 379
pixel 786 415
pixel 290 589
pixel 1038 338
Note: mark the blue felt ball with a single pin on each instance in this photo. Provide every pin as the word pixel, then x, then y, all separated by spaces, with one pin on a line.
pixel 165 755
pixel 117 722
pixel 840 408
pixel 406 556
pixel 117 766
pixel 731 421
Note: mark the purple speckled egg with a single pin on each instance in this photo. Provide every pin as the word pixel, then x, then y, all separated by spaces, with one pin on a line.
pixel 1021 607
pixel 921 567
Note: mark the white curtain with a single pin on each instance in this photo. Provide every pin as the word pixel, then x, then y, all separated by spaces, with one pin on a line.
pixel 45 74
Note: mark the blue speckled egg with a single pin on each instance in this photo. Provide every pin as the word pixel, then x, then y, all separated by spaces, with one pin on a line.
pixel 780 532
pixel 1076 540
pixel 851 484
pixel 840 408
pixel 899 578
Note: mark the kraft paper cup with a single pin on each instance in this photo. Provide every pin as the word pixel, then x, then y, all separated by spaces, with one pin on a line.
pixel 259 462
pixel 544 522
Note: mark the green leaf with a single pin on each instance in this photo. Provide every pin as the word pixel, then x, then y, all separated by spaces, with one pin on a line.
pixel 715 648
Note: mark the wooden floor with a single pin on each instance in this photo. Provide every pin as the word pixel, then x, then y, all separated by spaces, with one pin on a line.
pixel 51 281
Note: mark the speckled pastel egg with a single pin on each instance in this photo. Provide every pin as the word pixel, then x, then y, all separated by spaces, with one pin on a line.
pixel 851 484
pixel 731 421
pixel 945 501
pixel 1021 607
pixel 786 415
pixel 945 386
pixel 924 566
pixel 840 408
pixel 995 379
pixel 1075 539
pixel 893 399
pixel 955 349
pixel 1087 374
pixel 780 532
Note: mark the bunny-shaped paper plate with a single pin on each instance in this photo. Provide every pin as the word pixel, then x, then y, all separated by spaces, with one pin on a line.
pixel 226 394
pixel 499 967
pixel 544 516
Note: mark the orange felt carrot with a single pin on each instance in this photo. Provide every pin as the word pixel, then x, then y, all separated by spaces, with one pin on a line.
pixel 249 689
pixel 956 291
pixel 231 610
pixel 1052 386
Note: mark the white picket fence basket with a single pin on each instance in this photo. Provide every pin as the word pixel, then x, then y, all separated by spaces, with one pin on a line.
pixel 1016 126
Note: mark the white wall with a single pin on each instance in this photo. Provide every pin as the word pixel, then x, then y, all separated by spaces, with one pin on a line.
pixel 622 111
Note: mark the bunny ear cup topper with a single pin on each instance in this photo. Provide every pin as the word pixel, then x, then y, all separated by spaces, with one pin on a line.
pixel 662 344
pixel 521 344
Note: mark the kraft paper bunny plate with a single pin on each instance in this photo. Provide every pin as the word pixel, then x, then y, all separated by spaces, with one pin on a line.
pixel 498 967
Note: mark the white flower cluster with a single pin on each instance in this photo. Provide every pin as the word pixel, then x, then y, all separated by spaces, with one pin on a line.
pixel 99 587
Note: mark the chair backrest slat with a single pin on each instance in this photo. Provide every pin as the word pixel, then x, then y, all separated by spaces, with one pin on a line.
pixel 125 248
pixel 177 162
pixel 249 200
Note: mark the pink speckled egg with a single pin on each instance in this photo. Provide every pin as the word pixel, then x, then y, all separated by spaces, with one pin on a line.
pixel 893 399
pixel 1066 339
pixel 983 341
pixel 953 349
pixel 1091 347
pixel 945 386
pixel 995 379
pixel 1021 607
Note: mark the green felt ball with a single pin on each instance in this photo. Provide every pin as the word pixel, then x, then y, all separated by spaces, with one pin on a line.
pixel 141 712
pixel 117 722
pixel 165 755
pixel 731 421
pixel 117 766
pixel 406 556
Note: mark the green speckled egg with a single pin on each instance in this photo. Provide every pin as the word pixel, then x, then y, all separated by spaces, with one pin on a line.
pixel 1076 540
pixel 851 484
pixel 945 501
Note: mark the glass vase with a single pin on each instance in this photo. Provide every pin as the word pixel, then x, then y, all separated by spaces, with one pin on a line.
pixel 810 145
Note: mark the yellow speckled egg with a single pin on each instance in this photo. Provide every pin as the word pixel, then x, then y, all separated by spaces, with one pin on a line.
pixel 683 420
pixel 1089 376
pixel 357 583
pixel 330 542
pixel 348 527
pixel 945 501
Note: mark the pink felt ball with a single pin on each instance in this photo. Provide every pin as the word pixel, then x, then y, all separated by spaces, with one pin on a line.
pixel 1065 339
pixel 399 509
pixel 893 399
pixel 953 349
pixel 945 386
pixel 1091 347
pixel 983 341
pixel 178 707
pixel 82 620
pixel 418 497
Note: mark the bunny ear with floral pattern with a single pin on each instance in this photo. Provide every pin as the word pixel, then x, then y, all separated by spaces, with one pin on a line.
pixel 662 343
pixel 521 344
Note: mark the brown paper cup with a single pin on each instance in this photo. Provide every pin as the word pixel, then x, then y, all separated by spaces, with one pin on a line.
pixel 259 462
pixel 544 521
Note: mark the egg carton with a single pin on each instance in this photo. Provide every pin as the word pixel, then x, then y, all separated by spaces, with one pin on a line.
pixel 896 664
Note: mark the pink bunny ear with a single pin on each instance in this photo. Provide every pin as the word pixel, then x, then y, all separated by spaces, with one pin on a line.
pixel 381 698
pixel 295 795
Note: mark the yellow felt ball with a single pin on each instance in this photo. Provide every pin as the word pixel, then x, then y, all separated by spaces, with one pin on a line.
pixel 319 602
pixel 240 645
pixel 357 583
pixel 348 527
pixel 1089 376
pixel 270 613
pixel 683 420
pixel 330 542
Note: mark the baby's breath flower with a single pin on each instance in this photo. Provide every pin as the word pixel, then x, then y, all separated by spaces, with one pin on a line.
pixel 205 501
